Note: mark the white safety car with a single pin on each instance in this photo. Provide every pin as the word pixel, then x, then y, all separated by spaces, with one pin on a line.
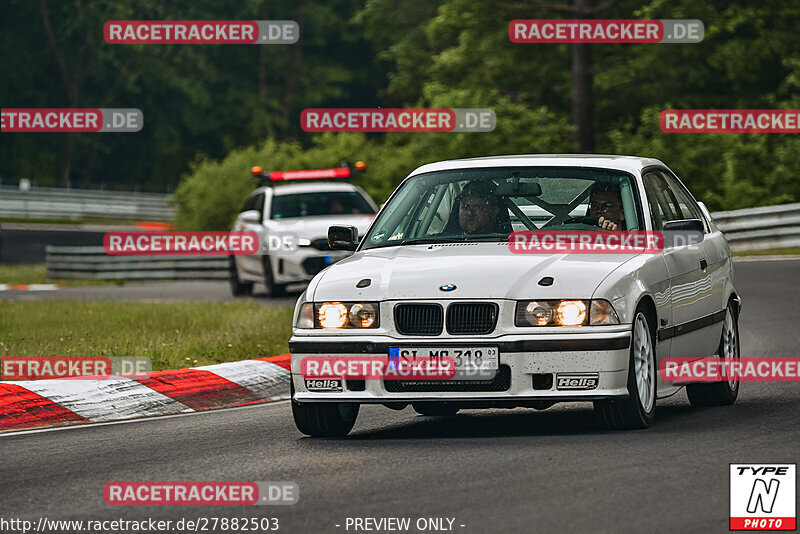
pixel 291 221
pixel 435 275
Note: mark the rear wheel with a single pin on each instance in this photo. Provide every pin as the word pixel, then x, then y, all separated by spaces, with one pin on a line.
pixel 725 392
pixel 273 289
pixel 638 410
pixel 238 288
pixel 434 408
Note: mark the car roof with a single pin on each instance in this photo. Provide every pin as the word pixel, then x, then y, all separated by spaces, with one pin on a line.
pixel 630 164
pixel 307 187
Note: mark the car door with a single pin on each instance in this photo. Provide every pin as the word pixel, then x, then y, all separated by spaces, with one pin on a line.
pixel 689 283
pixel 715 255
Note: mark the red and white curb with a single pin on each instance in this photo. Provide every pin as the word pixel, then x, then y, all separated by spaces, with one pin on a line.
pixel 30 287
pixel 39 403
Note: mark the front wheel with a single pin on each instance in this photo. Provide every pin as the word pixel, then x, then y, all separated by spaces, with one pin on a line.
pixel 238 288
pixel 638 410
pixel 325 420
pixel 273 289
pixel 725 392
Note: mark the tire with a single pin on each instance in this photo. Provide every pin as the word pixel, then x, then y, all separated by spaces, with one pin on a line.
pixel 324 420
pixel 434 408
pixel 638 410
pixel 725 392
pixel 238 288
pixel 273 289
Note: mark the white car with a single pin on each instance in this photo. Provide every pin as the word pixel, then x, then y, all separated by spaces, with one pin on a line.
pixel 551 327
pixel 292 222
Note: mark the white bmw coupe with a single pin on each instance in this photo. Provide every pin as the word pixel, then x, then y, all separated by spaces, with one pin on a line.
pixel 436 275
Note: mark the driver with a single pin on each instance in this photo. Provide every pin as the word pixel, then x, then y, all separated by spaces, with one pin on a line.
pixel 605 205
pixel 478 209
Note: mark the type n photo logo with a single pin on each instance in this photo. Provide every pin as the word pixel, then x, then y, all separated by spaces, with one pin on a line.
pixel 763 496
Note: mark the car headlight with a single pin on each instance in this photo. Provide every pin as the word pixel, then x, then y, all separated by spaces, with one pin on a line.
pixel 339 315
pixel 568 312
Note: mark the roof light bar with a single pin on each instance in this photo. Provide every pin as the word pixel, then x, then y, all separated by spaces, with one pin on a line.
pixel 345 171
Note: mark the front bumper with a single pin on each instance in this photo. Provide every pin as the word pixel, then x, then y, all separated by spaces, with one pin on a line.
pixel 605 353
pixel 302 264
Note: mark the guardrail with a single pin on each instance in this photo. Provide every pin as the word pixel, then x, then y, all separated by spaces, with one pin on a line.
pixel 747 229
pixel 761 228
pixel 54 203
pixel 94 264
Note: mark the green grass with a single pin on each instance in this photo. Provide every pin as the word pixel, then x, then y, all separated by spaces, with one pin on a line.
pixel 37 274
pixel 173 335
pixel 769 252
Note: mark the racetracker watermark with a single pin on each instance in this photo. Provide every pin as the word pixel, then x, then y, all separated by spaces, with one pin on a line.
pixel 730 121
pixel 398 120
pixel 201 32
pixel 74 367
pixel 606 31
pixel 55 120
pixel 742 369
pixel 201 493
pixel 446 363
pixel 585 242
pixel 180 243
pixel 377 368
pixel 599 241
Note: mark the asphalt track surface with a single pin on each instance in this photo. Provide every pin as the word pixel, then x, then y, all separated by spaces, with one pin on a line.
pixel 493 471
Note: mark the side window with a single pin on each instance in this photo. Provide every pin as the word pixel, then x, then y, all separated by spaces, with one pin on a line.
pixel 659 207
pixel 250 203
pixel 685 204
pixel 259 204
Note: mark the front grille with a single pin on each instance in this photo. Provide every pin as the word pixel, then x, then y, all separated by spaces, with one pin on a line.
pixel 471 318
pixel 500 382
pixel 321 244
pixel 315 264
pixel 419 319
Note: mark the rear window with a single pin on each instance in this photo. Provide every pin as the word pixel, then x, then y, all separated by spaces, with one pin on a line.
pixel 317 204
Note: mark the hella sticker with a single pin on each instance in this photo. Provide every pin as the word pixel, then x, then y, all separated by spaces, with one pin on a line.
pixel 324 385
pixel 577 381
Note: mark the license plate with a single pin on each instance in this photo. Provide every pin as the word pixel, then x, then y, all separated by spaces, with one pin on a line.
pixel 466 358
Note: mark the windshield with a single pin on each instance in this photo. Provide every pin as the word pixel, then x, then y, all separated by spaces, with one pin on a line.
pixel 488 204
pixel 319 203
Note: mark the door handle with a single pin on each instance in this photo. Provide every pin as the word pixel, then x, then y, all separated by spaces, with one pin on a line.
pixel 703 264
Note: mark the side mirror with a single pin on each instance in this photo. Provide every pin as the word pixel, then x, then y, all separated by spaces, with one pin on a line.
pixel 251 216
pixel 684 225
pixel 343 237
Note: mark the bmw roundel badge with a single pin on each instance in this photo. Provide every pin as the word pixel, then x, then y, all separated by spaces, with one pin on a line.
pixel 447 287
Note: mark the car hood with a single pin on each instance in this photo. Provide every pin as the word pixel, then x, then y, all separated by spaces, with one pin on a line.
pixel 478 270
pixel 316 227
